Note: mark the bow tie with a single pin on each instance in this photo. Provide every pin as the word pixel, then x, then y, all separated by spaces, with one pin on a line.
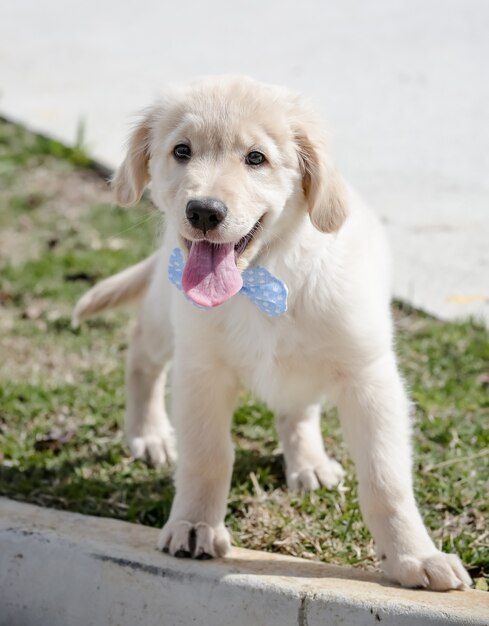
pixel 268 293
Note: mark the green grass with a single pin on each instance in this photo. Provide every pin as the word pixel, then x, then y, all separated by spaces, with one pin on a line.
pixel 62 396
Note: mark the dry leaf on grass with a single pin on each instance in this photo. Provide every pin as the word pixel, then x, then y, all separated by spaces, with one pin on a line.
pixel 54 440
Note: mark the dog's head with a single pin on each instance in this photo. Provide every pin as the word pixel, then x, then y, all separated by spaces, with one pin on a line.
pixel 226 158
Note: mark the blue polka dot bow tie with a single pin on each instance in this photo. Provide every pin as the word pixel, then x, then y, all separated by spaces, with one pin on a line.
pixel 268 293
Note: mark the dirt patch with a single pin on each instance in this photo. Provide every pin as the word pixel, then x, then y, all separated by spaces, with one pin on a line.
pixel 43 196
pixel 33 361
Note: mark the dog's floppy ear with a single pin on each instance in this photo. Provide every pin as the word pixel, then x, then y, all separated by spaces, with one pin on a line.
pixel 323 188
pixel 133 175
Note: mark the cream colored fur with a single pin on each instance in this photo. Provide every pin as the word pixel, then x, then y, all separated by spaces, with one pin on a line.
pixel 335 340
pixel 119 290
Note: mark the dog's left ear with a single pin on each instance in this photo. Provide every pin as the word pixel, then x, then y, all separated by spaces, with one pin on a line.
pixel 323 187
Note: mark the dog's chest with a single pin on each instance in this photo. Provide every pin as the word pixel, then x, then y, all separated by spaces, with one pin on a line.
pixel 279 359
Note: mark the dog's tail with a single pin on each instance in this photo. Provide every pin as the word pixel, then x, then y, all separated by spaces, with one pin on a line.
pixel 118 290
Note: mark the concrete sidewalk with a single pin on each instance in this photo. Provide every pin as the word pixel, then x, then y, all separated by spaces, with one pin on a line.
pixel 404 87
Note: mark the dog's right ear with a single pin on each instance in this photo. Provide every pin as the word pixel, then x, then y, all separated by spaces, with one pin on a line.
pixel 132 176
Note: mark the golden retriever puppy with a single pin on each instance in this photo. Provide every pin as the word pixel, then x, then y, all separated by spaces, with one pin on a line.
pixel 282 285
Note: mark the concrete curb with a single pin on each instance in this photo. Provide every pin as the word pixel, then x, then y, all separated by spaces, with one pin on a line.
pixel 65 569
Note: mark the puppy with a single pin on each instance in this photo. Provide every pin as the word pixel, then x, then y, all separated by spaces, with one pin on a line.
pixel 282 284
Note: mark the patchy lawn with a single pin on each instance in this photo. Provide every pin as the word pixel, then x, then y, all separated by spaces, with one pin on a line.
pixel 62 397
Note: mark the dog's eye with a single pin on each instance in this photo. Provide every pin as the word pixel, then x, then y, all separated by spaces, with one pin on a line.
pixel 255 158
pixel 182 152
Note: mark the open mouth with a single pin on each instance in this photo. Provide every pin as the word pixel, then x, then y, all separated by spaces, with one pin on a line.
pixel 242 244
pixel 239 247
pixel 211 275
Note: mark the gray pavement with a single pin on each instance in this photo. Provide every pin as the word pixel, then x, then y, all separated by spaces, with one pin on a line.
pixel 59 568
pixel 403 85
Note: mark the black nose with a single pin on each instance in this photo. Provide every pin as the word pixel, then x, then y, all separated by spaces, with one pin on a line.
pixel 206 214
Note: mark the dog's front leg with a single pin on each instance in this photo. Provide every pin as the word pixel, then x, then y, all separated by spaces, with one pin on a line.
pixel 204 395
pixel 375 415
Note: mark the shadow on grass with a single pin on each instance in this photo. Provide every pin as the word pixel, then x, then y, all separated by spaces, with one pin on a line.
pixel 93 486
pixel 96 486
pixel 268 468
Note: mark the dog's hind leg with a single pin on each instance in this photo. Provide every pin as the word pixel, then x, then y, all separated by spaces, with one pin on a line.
pixel 148 430
pixel 307 464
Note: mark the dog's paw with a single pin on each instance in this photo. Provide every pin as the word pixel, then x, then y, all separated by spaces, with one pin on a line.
pixel 197 541
pixel 438 571
pixel 328 474
pixel 156 449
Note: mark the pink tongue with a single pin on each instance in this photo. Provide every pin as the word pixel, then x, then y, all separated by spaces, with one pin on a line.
pixel 210 276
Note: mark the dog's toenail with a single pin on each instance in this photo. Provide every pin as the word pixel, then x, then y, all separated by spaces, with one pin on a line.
pixel 183 554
